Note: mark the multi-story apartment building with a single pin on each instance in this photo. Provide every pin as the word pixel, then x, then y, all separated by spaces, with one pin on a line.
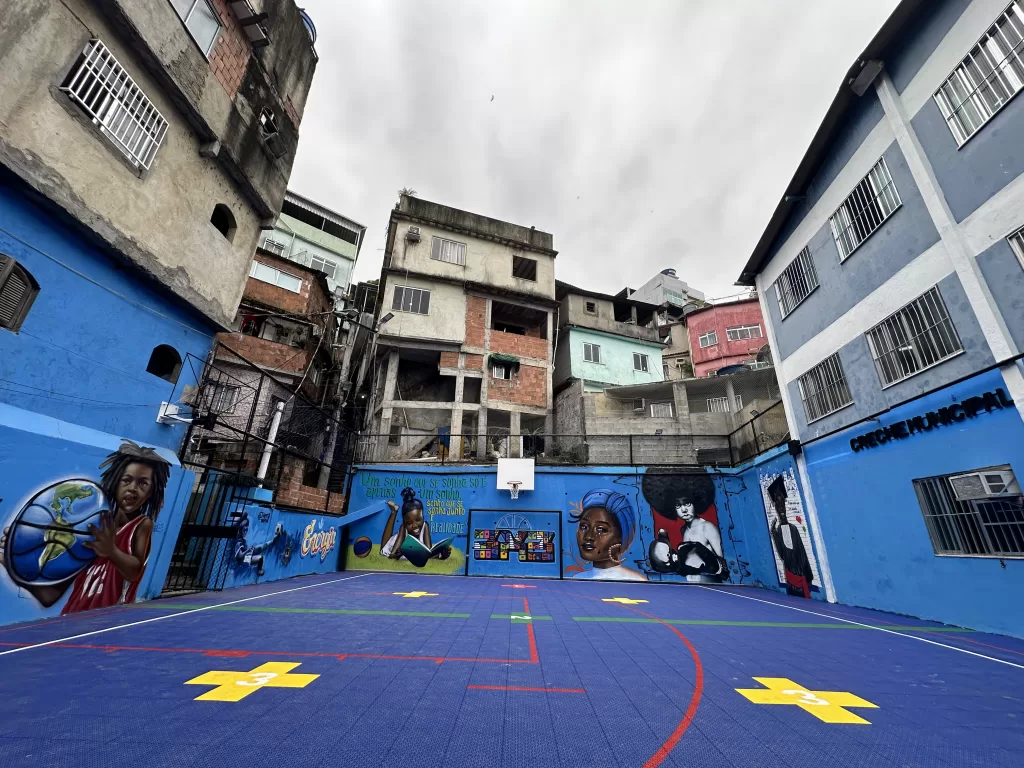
pixel 467 349
pixel 666 288
pixel 676 358
pixel 725 334
pixel 890 278
pixel 310 234
pixel 605 340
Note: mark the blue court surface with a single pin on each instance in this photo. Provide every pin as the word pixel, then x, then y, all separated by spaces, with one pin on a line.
pixel 341 671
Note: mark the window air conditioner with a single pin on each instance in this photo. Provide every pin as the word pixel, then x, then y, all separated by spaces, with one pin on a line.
pixel 412 235
pixel 985 484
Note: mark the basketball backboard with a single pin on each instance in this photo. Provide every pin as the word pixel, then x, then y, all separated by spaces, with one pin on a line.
pixel 515 472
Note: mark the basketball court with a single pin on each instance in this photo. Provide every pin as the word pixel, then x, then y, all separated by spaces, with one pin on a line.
pixel 414 670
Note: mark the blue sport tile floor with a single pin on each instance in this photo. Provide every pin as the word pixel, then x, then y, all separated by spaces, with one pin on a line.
pixel 493 672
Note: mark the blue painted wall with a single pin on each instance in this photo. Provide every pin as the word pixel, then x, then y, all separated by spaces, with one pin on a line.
pixel 1005 279
pixel 921 36
pixel 878 547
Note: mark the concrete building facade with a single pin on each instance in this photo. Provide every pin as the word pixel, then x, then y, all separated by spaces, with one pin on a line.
pixel 666 288
pixel 725 334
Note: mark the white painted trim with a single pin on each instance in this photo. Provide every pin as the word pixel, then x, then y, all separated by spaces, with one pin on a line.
pixel 998 218
pixel 863 160
pixel 957 43
pixel 780 376
pixel 811 511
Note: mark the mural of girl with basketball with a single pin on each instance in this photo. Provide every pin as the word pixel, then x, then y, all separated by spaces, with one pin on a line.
pixel 126 503
pixel 605 527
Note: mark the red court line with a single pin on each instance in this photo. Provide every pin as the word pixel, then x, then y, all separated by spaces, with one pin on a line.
pixel 524 688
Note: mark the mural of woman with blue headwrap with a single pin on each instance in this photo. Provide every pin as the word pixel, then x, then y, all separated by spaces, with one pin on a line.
pixel 605 527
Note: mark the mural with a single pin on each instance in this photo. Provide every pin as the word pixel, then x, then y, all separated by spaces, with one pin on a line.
pixel 92 538
pixel 791 542
pixel 412 541
pixel 605 528
pixel 515 544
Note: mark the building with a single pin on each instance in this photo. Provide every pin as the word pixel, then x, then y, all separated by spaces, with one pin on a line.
pixel 890 278
pixel 676 357
pixel 465 313
pixel 724 334
pixel 605 340
pixel 311 235
pixel 666 288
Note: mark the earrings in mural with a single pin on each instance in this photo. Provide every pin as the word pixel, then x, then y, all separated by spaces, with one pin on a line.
pixel 605 527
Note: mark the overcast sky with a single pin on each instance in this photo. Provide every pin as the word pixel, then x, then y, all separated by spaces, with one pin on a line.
pixel 643 134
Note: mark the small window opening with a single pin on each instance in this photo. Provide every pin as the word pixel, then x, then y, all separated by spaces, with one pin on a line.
pixel 525 269
pixel 224 221
pixel 165 362
pixel 18 289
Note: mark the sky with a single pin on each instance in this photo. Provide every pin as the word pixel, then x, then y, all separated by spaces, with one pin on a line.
pixel 642 134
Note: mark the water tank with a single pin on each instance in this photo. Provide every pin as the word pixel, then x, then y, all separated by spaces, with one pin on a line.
pixel 310 26
pixel 669 272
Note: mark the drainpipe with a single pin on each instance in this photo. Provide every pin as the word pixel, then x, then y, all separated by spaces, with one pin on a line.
pixel 268 448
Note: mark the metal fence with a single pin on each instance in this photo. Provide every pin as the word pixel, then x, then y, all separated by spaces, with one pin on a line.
pixel 763 432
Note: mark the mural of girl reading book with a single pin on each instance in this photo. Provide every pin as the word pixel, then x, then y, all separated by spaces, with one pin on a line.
pixel 412 540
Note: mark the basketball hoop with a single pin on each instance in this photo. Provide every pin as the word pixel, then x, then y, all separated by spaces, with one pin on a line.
pixel 513 488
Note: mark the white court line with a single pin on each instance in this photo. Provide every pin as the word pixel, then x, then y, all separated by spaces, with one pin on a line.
pixel 175 615
pixel 868 626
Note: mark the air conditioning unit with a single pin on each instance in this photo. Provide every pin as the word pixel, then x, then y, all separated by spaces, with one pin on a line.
pixel 412 235
pixel 983 485
pixel 639 406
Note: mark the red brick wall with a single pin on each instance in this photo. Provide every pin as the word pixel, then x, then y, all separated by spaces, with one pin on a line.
pixel 269 354
pixel 718 319
pixel 475 362
pixel 310 299
pixel 476 321
pixel 449 360
pixel 521 346
pixel 230 55
pixel 292 493
pixel 528 387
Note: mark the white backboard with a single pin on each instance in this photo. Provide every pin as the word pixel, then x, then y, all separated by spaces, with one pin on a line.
pixel 517 470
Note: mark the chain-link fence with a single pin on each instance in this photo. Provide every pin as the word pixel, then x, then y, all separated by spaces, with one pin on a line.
pixel 763 432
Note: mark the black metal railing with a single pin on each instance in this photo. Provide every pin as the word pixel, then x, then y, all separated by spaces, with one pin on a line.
pixel 765 431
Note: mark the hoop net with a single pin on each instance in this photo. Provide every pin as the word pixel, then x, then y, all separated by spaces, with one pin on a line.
pixel 513 488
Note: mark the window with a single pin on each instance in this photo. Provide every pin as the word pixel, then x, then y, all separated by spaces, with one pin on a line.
pixel 268 274
pixel 796 282
pixel 115 104
pixel 718 405
pixel 977 513
pixel 310 213
pixel 414 300
pixel 395 435
pixel 740 332
pixel 200 20
pixel 1017 243
pixel 329 268
pixel 224 221
pixel 590 307
pixel 518 330
pixel 914 338
pixel 18 289
pixel 823 389
pixel 501 371
pixel 448 250
pixel 664 371
pixel 640 362
pixel 524 269
pixel 708 339
pixel 274 247
pixel 738 400
pixel 221 397
pixel 165 362
pixel 662 411
pixel 591 353
pixel 990 75
pixel 872 201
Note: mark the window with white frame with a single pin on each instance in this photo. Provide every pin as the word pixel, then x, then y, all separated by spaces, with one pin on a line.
pixel 268 274
pixel 718 405
pixel 448 250
pixel 662 411
pixel 201 21
pixel 740 332
pixel 501 371
pixel 796 282
pixel 988 77
pixel 872 201
pixel 591 353
pixel 978 513
pixel 415 300
pixel 640 362
pixel 116 104
pixel 708 339
pixel 823 389
pixel 274 247
pixel 913 338
pixel 326 266
pixel 1017 243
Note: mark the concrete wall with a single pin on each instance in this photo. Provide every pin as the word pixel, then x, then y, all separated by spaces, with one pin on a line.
pixel 653 291
pixel 573 311
pixel 616 366
pixel 447 316
pixel 719 319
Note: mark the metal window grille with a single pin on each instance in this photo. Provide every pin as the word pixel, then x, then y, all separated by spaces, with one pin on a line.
pixel 872 201
pixel 992 525
pixel 796 282
pixel 115 103
pixel 915 337
pixel 591 307
pixel 718 405
pixel 708 339
pixel 448 250
pixel 823 389
pixel 591 353
pixel 988 77
pixel 738 399
pixel 640 362
pixel 662 411
pixel 1017 243
pixel 741 332
pixel 416 300
pixel 274 247
pixel 221 397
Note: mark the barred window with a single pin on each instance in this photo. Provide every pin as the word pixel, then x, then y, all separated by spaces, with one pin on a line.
pixel 1017 243
pixel 18 289
pixel 796 282
pixel 640 362
pixel 274 247
pixel 708 339
pixel 740 332
pixel 988 77
pixel 872 201
pixel 591 353
pixel 662 411
pixel 115 104
pixel 915 337
pixel 823 389
pixel 978 513
pixel 221 397
pixel 416 300
pixel 721 404
pixel 448 250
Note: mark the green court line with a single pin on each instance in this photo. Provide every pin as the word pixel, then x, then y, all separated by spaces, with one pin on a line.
pixel 338 611
pixel 784 624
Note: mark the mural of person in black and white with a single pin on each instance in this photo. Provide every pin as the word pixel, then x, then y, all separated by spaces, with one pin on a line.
pixel 788 540
pixel 687 540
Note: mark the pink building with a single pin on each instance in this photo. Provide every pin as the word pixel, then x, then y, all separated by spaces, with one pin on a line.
pixel 725 334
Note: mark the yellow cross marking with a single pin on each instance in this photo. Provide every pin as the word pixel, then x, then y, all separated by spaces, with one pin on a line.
pixel 623 600
pixel 824 705
pixel 416 594
pixel 235 686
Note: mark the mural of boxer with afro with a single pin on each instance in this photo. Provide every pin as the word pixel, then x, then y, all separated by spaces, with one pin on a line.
pixel 687 540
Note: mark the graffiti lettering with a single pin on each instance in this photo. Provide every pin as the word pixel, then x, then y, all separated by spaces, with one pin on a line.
pixel 316 542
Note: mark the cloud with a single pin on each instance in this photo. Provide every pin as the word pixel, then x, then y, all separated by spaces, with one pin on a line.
pixel 642 135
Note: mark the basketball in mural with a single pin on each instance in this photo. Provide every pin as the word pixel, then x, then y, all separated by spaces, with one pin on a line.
pixel 362 546
pixel 45 542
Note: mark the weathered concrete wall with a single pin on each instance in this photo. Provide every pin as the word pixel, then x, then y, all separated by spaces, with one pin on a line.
pixel 447 312
pixel 573 310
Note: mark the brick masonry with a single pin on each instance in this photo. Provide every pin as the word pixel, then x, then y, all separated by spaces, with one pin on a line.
pixel 476 321
pixel 230 55
pixel 449 360
pixel 310 298
pixel 475 362
pixel 521 346
pixel 527 387
pixel 292 493
pixel 269 354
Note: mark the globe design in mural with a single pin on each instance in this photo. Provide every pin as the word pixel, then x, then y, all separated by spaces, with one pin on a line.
pixel 46 541
pixel 514 522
